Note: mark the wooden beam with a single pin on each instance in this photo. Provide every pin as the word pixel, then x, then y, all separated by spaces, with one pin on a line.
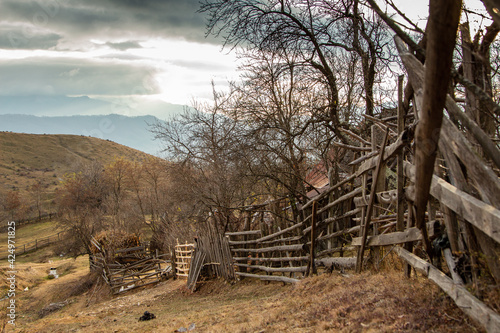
pixel 399 237
pixel 294 247
pixel 274 269
pixel 241 233
pixel 328 191
pixel 441 33
pixel 370 204
pixel 483 216
pixel 277 259
pixel 269 277
pixel 469 304
pixel 390 150
pixel 400 172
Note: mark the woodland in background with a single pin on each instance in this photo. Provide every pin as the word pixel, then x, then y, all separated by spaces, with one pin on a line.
pixel 313 76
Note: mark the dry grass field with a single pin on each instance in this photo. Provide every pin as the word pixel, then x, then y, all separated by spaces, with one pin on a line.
pixel 381 302
pixel 47 158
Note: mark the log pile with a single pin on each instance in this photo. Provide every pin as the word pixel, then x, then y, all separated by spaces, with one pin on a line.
pixel 126 268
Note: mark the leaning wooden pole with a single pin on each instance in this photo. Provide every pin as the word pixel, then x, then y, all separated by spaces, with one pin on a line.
pixel 365 227
pixel 441 33
pixel 311 269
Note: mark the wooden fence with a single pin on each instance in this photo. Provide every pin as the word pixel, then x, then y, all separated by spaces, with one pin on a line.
pixel 183 254
pixel 36 244
pixel 373 209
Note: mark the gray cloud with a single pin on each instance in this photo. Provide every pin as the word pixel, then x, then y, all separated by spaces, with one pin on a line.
pixel 123 46
pixel 49 76
pixel 23 37
pixel 109 20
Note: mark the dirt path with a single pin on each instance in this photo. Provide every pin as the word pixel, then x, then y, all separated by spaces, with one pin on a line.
pixel 383 302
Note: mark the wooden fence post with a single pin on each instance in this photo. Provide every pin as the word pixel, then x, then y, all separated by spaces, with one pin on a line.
pixel 359 261
pixel 312 267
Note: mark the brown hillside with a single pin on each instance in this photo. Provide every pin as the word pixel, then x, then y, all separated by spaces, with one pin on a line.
pixel 27 158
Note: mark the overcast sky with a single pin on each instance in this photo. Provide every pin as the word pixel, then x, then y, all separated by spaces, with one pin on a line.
pixel 113 50
pixel 109 49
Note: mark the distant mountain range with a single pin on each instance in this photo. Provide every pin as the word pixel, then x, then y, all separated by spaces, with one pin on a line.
pixel 129 131
pixel 68 106
pixel 123 121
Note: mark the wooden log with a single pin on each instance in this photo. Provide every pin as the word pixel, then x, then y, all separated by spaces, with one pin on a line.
pixel 295 247
pixel 269 277
pixel 272 259
pixel 279 233
pixel 363 158
pixel 390 151
pixel 400 209
pixel 355 136
pixel 241 233
pixel 469 304
pixel 282 240
pixel 247 242
pixel 399 237
pixel 345 262
pixel 370 205
pixel 355 148
pixel 299 269
pixel 483 216
pixel 381 122
pixel 311 268
pixel 333 219
pixel 441 33
pixel 341 232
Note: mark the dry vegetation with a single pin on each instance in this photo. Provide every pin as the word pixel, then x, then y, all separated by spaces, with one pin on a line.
pixel 32 166
pixel 381 302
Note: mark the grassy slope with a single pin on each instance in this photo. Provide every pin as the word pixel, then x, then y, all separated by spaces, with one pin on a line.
pixel 25 158
pixel 381 302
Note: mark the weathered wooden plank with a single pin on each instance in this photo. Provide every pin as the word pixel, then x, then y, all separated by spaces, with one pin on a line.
pixel 398 237
pixel 390 151
pixel 366 225
pixel 242 233
pixel 483 216
pixel 295 247
pixel 355 148
pixel 469 304
pixel 341 232
pixel 274 269
pixel 269 277
pixel 333 219
pixel 343 198
pixel 277 259
pixel 279 233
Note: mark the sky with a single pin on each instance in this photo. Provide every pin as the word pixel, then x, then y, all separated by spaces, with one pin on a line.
pixel 132 53
pixel 135 55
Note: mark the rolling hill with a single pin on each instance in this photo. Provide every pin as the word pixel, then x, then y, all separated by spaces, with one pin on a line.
pixel 27 158
pixel 129 131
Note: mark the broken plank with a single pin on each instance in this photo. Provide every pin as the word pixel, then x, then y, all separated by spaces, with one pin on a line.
pixel 399 237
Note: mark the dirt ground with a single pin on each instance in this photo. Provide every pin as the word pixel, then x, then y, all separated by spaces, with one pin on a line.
pixel 368 302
